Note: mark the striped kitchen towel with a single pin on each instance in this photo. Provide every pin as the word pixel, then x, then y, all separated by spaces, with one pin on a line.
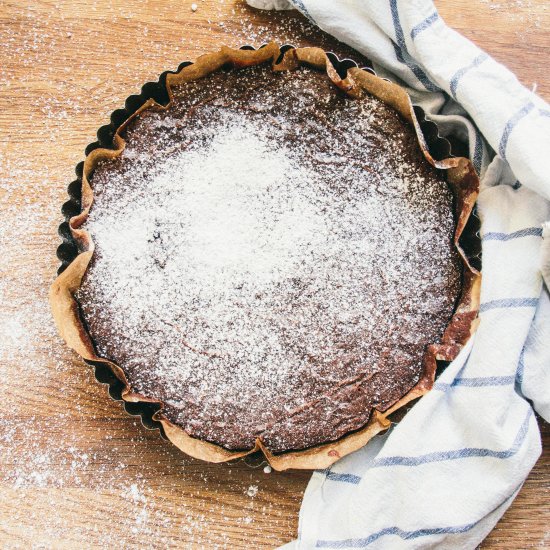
pixel 444 476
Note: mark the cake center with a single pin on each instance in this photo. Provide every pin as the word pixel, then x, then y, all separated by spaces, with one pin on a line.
pixel 271 259
pixel 241 210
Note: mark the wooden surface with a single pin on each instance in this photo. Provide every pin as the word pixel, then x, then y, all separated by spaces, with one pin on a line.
pixel 75 470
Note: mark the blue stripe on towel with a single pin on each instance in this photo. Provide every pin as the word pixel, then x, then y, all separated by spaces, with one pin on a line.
pixel 507 303
pixel 403 55
pixel 424 24
pixel 343 478
pixel 476 382
pixel 461 72
pixel 527 232
pixel 466 452
pixel 510 125
pixel 408 535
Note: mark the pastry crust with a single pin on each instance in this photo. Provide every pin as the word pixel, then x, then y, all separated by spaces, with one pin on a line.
pixel 461 177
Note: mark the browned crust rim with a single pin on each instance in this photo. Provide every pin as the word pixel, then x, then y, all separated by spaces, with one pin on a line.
pixel 462 179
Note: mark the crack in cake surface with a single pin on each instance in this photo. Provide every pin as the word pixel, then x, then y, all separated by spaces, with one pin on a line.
pixel 270 267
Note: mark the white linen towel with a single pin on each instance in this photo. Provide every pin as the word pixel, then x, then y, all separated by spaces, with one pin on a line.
pixel 444 476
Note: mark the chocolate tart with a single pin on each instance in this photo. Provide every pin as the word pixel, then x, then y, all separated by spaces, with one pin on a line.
pixel 267 256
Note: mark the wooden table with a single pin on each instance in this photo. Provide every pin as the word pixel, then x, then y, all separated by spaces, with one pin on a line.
pixel 75 470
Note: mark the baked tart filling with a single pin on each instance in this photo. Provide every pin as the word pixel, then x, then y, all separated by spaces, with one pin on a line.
pixel 274 259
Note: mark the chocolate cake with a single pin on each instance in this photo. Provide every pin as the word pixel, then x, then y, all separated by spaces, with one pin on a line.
pixel 272 258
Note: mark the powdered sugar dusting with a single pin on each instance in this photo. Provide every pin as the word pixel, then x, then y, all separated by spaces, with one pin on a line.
pixel 238 268
pixel 221 223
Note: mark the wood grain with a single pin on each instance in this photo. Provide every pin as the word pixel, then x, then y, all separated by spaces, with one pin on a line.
pixel 75 470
